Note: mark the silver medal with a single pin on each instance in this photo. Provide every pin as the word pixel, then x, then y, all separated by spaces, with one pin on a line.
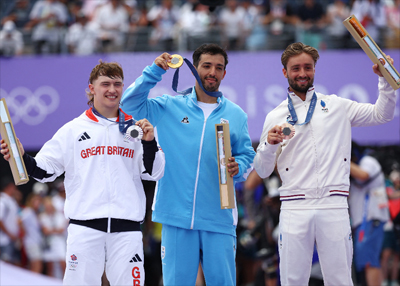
pixel 134 133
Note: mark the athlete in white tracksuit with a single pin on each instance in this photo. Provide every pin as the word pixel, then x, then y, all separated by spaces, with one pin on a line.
pixel 105 199
pixel 314 168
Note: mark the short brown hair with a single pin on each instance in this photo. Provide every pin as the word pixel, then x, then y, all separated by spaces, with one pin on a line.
pixel 111 70
pixel 297 49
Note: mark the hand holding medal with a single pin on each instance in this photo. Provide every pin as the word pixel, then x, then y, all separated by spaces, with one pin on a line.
pixel 141 130
pixel 147 129
pixel 166 61
pixel 278 133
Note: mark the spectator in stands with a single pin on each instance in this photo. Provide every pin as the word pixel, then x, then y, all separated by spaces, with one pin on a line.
pixel 368 207
pixel 40 189
pixel 19 14
pixel 58 195
pixel 391 242
pixel 336 32
pixel 6 6
pixel 195 24
pixel 139 18
pixel 139 30
pixel 9 223
pixel 54 226
pixel 82 36
pixel 254 27
pixel 249 196
pixel 280 18
pixel 231 20
pixel 164 19
pixel 19 198
pixel 33 238
pixel 130 6
pixel 312 19
pixel 48 18
pixel 74 8
pixel 187 6
pixel 113 21
pixel 392 39
pixel 151 240
pixel 263 210
pixel 371 15
pixel 90 7
pixel 11 40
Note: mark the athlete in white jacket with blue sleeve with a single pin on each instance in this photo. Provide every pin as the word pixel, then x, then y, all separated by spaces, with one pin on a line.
pixel 104 168
pixel 314 166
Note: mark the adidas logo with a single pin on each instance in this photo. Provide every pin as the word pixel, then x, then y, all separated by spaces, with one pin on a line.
pixel 84 137
pixel 136 258
pixel 185 120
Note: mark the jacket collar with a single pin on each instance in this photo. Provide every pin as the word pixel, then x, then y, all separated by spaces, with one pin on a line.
pixel 309 94
pixel 92 116
pixel 193 96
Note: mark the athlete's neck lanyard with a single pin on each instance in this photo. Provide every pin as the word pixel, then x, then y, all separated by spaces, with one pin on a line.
pixel 121 122
pixel 309 112
pixel 196 75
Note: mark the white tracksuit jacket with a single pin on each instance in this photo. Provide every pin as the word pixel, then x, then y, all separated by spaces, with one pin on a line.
pixel 103 171
pixel 315 163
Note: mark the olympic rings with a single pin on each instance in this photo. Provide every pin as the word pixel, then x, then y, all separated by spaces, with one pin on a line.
pixel 31 108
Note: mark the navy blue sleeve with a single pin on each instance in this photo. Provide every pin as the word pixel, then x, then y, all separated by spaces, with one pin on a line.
pixel 149 153
pixel 32 169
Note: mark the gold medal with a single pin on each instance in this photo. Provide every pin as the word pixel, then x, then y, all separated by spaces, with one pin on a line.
pixel 176 61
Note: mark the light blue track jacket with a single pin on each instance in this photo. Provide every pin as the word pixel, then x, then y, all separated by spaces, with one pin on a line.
pixel 188 194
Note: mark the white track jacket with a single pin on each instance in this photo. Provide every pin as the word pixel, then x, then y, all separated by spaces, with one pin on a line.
pixel 103 171
pixel 315 163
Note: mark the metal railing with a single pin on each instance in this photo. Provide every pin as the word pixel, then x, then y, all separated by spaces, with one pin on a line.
pixel 139 40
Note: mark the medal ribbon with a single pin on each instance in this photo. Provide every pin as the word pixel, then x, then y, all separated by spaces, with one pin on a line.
pixel 196 75
pixel 121 123
pixel 310 111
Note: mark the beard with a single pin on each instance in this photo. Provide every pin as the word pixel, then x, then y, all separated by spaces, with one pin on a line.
pixel 208 87
pixel 300 88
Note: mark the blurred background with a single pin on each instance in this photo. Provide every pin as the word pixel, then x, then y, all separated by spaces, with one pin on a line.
pixel 49 47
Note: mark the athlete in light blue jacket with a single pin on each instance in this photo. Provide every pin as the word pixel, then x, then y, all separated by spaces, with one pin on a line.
pixel 187 202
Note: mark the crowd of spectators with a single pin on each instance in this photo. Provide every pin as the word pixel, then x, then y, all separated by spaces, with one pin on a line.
pixel 33 227
pixel 96 26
